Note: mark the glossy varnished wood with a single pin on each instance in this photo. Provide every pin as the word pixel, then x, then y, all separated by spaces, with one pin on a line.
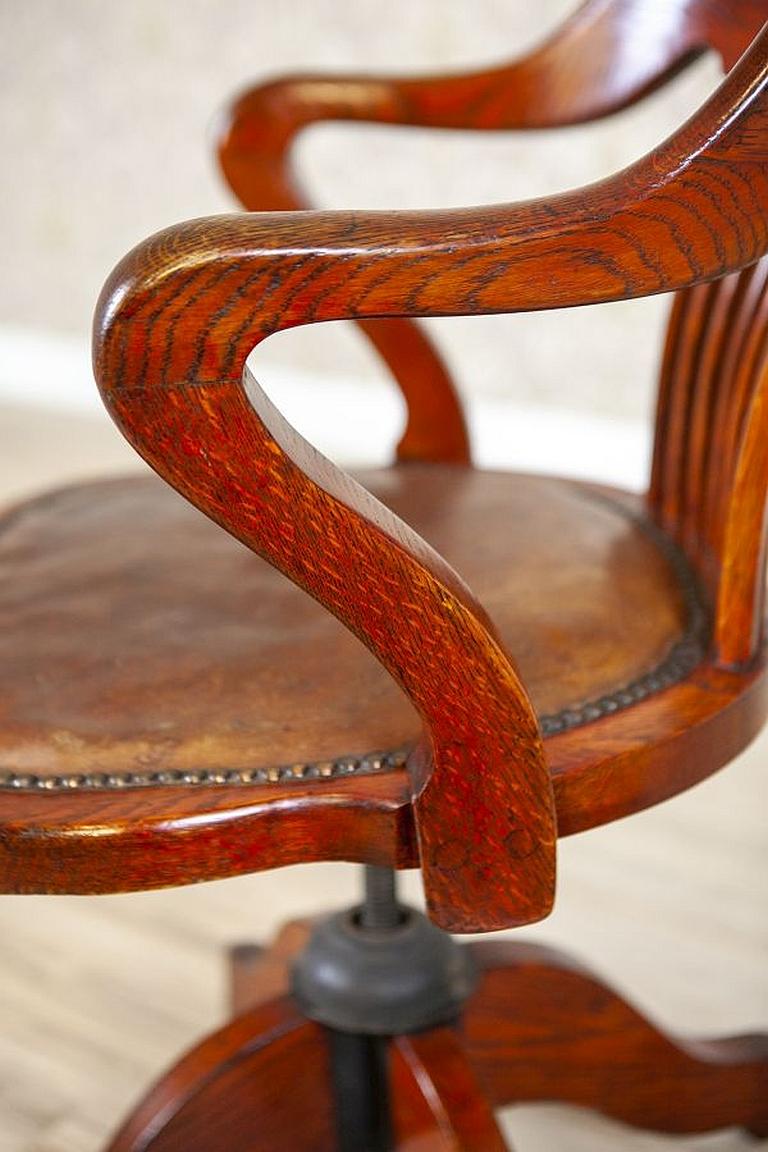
pixel 710 470
pixel 521 633
pixel 178 319
pixel 540 1027
pixel 240 1089
pixel 264 1082
pixel 135 839
pixel 617 764
pixel 437 1102
pixel 556 84
pixel 634 759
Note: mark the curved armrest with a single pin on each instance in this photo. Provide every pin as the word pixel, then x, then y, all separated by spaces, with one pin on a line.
pixel 169 364
pixel 168 359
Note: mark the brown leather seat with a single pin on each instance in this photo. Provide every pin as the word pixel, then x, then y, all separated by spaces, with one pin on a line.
pixel 137 639
pixel 162 686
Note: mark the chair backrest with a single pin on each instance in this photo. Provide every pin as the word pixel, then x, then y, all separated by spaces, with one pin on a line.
pixel 710 461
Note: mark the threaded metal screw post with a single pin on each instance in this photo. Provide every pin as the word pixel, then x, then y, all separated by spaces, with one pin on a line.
pixel 380 910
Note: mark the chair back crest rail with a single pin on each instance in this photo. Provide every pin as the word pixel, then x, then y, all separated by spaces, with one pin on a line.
pixel 180 315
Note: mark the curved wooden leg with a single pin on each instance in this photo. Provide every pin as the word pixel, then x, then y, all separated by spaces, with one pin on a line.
pixel 257 974
pixel 261 1083
pixel 540 1027
pixel 437 1103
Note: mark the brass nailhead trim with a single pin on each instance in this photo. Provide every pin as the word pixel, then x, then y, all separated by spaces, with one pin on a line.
pixel 679 662
pixel 286 774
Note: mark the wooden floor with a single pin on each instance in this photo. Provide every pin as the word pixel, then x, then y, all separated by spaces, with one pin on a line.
pixel 97 995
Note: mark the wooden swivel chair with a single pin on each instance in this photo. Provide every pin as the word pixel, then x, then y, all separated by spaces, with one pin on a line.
pixel 175 709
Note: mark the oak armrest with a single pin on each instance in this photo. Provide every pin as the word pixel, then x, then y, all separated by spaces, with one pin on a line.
pixel 173 327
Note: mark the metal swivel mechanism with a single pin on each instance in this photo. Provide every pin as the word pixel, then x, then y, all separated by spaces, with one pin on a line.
pixel 377 970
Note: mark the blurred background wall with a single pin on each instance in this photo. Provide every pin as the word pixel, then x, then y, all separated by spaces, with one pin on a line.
pixel 106 118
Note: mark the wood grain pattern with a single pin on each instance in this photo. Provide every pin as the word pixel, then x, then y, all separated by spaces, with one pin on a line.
pixel 178 318
pixel 238 1088
pixel 482 780
pixel 540 1027
pixel 135 839
pixel 437 1102
pixel 556 84
pixel 476 803
pixel 709 478
pixel 622 762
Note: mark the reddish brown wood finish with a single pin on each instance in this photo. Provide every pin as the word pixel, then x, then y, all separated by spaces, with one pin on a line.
pixel 263 1083
pixel 482 780
pixel 178 318
pixel 258 974
pixel 555 85
pixel 710 469
pixel 142 838
pixel 176 323
pixel 437 1104
pixel 77 839
pixel 105 842
pixel 136 839
pixel 260 1084
pixel 541 1027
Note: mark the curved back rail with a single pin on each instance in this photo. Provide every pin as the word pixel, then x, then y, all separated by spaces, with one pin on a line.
pixel 608 55
pixel 180 315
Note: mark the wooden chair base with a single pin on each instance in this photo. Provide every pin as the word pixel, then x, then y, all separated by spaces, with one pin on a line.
pixel 538 1027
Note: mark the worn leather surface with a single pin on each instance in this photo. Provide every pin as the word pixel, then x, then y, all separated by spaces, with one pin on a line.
pixel 135 634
